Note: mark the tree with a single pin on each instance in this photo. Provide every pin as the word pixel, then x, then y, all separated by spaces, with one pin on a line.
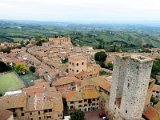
pixel 100 56
pixel 32 69
pixel 109 66
pixel 77 115
pixel 154 100
pixel 156 67
pixel 20 69
pixel 4 67
pixel 64 60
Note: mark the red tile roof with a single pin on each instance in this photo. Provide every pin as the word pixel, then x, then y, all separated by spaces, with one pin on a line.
pixel 151 113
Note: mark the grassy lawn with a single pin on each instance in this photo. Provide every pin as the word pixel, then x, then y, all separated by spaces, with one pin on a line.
pixel 10 81
pixel 18 39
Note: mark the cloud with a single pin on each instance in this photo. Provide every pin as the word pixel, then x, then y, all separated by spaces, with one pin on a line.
pixel 81 10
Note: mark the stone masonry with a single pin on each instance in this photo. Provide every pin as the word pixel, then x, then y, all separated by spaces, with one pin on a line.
pixel 129 86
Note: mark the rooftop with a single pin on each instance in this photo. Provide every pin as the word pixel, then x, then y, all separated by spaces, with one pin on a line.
pixel 5 114
pixel 13 101
pixel 151 113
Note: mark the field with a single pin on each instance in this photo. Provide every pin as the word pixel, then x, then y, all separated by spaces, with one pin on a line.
pixel 10 81
pixel 112 38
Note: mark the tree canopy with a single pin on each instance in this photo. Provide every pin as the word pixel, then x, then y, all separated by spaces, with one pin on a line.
pixel 77 115
pixel 100 56
pixel 20 69
pixel 4 67
pixel 32 69
pixel 156 67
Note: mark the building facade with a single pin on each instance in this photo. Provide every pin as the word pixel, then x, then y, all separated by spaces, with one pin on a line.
pixel 131 76
pixel 77 63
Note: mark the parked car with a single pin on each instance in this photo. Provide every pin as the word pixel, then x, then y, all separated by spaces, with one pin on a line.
pixel 105 118
pixel 102 114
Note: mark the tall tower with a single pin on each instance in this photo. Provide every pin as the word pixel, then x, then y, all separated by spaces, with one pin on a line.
pixel 77 63
pixel 129 86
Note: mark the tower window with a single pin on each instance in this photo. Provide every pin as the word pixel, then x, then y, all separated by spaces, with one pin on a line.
pixel 126 111
pixel 128 85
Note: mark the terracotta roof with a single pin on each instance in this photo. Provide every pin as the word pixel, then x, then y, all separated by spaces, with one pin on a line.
pixel 13 101
pixel 45 100
pixel 106 86
pixel 33 90
pixel 5 114
pixel 73 96
pixel 151 113
pixel 77 57
pixel 103 82
pixel 63 81
pixel 40 83
pixel 81 74
pixel 89 94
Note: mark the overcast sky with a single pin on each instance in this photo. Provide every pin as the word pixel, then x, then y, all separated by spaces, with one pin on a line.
pixel 81 10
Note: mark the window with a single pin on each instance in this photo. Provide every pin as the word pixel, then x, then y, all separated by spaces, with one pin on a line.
pixel 71 102
pixel 80 106
pixel 14 114
pixel 128 85
pixel 45 111
pixel 30 113
pixel 126 111
pixel 97 98
pixel 50 110
pixel 39 112
pixel 80 101
pixel 82 63
pixel 21 109
pixel 85 100
pixel 77 64
pixel 48 116
pixel 31 118
pixel 39 118
pixel 77 70
pixel 22 114
pixel 93 99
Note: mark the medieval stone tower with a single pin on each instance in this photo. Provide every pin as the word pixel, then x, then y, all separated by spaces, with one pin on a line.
pixel 77 63
pixel 129 86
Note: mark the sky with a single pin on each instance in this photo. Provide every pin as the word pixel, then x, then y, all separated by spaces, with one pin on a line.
pixel 81 10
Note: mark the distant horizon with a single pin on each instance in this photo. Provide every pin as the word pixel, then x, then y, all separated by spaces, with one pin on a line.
pixel 87 22
pixel 82 11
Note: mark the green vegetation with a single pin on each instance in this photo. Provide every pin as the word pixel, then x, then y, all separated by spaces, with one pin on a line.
pixel 32 69
pixel 20 69
pixel 10 81
pixel 109 66
pixel 77 115
pixel 64 60
pixel 101 73
pixel 109 37
pixel 156 69
pixel 100 56
pixel 154 100
pixel 4 67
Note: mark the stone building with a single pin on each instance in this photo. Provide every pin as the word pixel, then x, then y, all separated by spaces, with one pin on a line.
pixel 77 63
pixel 129 86
pixel 86 100
pixel 60 41
pixel 39 102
